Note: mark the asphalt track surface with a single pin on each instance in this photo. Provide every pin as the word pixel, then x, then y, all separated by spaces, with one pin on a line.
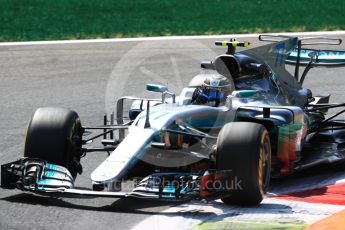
pixel 77 76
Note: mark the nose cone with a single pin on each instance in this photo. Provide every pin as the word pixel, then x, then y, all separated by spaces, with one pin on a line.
pixel 124 156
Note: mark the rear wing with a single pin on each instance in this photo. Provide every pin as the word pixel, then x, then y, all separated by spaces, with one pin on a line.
pixel 327 58
pixel 308 57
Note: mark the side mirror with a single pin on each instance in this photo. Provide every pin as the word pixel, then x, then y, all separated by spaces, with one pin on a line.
pixel 161 89
pixel 156 88
pixel 206 64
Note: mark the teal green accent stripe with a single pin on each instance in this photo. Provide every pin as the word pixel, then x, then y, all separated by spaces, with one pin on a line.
pixel 161 115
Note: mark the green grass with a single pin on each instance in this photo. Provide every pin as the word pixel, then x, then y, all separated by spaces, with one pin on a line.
pixel 249 225
pixel 71 19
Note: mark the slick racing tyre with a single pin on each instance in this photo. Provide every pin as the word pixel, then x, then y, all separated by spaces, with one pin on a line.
pixel 54 135
pixel 245 148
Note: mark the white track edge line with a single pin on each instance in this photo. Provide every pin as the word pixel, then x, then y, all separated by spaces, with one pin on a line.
pixel 139 39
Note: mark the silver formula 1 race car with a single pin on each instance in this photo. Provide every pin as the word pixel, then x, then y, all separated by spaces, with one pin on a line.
pixel 243 120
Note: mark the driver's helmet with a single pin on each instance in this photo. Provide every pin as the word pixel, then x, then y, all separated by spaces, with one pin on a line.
pixel 213 91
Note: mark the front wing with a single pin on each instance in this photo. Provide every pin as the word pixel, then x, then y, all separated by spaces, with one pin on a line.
pixel 38 176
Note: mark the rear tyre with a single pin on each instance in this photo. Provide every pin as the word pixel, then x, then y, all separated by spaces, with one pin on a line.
pixel 55 135
pixel 244 148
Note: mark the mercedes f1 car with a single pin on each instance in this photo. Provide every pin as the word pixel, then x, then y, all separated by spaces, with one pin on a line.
pixel 243 120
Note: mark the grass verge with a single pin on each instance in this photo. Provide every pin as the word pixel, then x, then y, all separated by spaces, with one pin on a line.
pixel 80 19
pixel 249 225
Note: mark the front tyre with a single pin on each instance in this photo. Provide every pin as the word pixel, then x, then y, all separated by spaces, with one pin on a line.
pixel 55 135
pixel 245 148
